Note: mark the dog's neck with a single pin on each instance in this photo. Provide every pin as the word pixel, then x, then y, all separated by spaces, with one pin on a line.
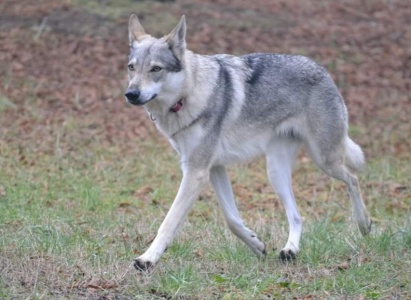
pixel 175 108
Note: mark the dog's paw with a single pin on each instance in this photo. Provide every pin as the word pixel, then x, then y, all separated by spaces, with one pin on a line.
pixel 142 265
pixel 262 252
pixel 258 247
pixel 287 255
pixel 365 229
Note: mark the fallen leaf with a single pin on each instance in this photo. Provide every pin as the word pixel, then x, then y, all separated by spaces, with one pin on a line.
pixel 343 266
pixel 124 204
pixel 100 284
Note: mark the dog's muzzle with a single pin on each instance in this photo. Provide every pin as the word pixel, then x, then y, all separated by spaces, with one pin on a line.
pixel 134 97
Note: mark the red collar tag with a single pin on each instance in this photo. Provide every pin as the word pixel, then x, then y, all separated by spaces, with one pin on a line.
pixel 176 107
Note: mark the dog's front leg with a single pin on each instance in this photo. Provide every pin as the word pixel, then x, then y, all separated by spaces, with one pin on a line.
pixel 190 187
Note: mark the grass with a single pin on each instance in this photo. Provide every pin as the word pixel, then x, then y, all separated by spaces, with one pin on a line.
pixel 71 225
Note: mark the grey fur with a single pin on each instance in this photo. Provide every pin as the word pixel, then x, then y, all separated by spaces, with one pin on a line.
pixel 220 109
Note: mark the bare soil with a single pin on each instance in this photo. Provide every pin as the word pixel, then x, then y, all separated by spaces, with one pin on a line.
pixel 66 61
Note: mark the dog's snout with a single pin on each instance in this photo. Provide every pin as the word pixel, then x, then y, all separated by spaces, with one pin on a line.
pixel 132 95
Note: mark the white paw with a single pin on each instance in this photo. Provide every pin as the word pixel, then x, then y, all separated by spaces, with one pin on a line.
pixel 288 253
pixel 143 265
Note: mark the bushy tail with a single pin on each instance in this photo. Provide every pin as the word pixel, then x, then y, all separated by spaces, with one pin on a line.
pixel 354 157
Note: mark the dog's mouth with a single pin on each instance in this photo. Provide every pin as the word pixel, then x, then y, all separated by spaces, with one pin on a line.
pixel 134 98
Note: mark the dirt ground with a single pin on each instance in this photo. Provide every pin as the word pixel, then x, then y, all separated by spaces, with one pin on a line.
pixel 65 60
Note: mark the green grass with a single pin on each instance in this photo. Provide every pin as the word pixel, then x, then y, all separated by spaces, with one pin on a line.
pixel 71 225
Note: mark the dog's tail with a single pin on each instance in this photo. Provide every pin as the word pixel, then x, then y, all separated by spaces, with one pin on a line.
pixel 354 157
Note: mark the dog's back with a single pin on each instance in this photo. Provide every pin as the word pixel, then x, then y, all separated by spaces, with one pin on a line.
pixel 260 97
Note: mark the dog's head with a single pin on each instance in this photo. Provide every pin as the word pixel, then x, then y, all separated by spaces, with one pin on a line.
pixel 155 67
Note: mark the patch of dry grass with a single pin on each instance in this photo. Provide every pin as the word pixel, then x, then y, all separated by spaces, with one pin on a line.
pixel 70 228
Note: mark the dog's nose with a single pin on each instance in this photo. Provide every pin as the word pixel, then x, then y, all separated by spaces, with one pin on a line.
pixel 132 95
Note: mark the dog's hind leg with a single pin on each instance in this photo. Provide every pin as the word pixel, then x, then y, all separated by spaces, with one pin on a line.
pixel 222 186
pixel 281 155
pixel 336 161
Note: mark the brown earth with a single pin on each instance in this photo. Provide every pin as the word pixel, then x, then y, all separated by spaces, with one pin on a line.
pixel 59 61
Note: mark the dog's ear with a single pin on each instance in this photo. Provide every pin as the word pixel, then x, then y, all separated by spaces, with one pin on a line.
pixel 136 32
pixel 177 38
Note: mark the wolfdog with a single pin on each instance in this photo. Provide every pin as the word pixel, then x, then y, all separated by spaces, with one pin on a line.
pixel 220 109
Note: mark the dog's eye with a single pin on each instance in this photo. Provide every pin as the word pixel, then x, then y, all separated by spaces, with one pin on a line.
pixel 156 69
pixel 131 67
